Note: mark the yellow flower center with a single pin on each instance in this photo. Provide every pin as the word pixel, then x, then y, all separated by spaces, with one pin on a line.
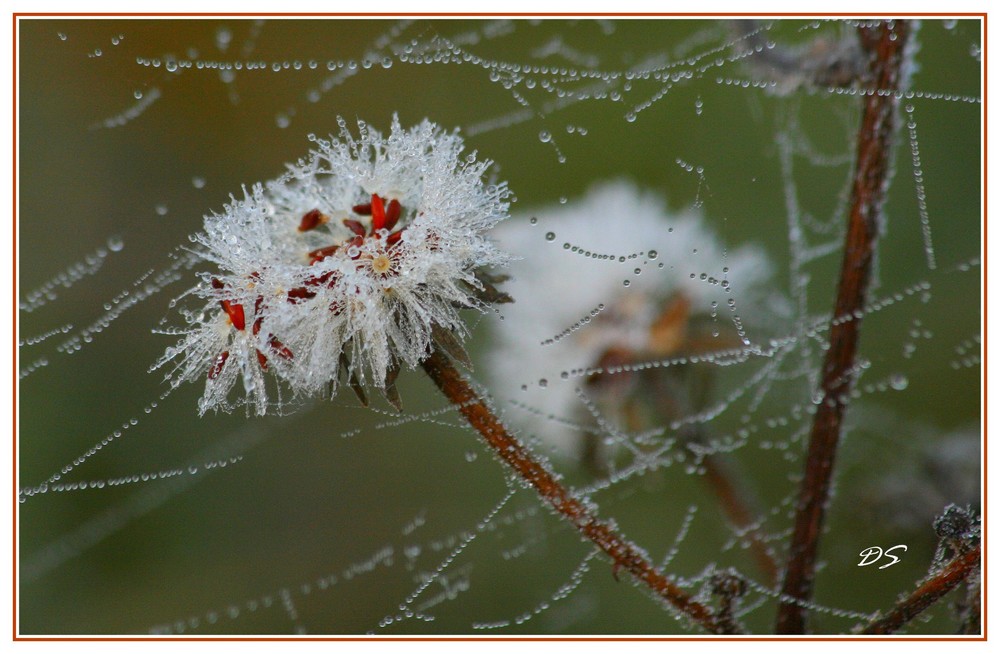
pixel 381 263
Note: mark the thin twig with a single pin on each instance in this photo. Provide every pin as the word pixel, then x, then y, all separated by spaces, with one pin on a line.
pixel 732 499
pixel 624 554
pixel 884 45
pixel 929 592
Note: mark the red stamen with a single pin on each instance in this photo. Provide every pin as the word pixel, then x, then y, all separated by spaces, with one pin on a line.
pixel 392 214
pixel 280 348
pixel 357 242
pixel 322 279
pixel 312 220
pixel 235 313
pixel 362 209
pixel 322 253
pixel 217 367
pixel 262 360
pixel 393 238
pixel 256 326
pixel 355 226
pixel 217 284
pixel 300 293
pixel 378 213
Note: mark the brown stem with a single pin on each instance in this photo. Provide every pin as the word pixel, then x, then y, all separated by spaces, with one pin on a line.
pixel 884 45
pixel 929 592
pixel 624 554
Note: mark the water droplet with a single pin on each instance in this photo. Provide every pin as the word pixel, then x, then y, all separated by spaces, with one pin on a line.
pixel 564 375
pixel 161 210
pixel 222 38
pixel 630 117
pixel 386 62
pixel 282 121
pixel 652 254
pixel 562 200
pixel 198 182
pixel 566 246
pixel 543 383
pixel 627 282
pixel 115 243
pixel 551 236
pixel 533 221
pixel 171 66
pixel 62 37
pixel 137 94
pixel 471 456
pixel 637 271
pixel 544 136
pixel 899 382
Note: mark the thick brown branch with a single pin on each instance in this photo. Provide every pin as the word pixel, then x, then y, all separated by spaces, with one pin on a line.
pixel 884 45
pixel 929 592
pixel 624 554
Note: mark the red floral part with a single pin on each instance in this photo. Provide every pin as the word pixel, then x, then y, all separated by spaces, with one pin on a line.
pixel 217 366
pixel 312 220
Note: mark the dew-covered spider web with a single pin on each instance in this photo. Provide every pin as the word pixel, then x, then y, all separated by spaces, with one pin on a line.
pixel 681 190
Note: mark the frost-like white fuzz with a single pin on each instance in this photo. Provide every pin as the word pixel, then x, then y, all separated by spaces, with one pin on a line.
pixel 349 259
pixel 581 305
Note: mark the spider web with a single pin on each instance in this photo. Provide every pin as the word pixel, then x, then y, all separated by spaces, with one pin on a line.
pixel 136 516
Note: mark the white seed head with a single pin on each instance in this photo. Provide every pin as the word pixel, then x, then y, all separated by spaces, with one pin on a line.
pixel 580 299
pixel 352 255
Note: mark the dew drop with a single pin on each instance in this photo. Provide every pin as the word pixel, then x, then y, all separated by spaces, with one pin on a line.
pixel 630 117
pixel 62 37
pixel 115 243
pixel 627 282
pixel 533 221
pixel 198 182
pixel 899 382
pixel 551 236
pixel 161 210
pixel 544 136
pixel 637 271
pixel 562 200
pixel 137 94
pixel 652 254
pixel 471 456
pixel 282 121
pixel 543 383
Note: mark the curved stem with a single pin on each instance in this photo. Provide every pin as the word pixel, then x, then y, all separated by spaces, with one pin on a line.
pixel 625 555
pixel 884 45
pixel 929 592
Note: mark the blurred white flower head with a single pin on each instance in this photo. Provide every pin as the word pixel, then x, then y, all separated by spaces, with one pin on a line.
pixel 348 264
pixel 605 282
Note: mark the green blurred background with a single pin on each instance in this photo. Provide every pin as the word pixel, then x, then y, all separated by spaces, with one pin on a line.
pixel 305 502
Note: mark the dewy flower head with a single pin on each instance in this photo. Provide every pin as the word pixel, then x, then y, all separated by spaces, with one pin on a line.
pixel 353 262
pixel 610 280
